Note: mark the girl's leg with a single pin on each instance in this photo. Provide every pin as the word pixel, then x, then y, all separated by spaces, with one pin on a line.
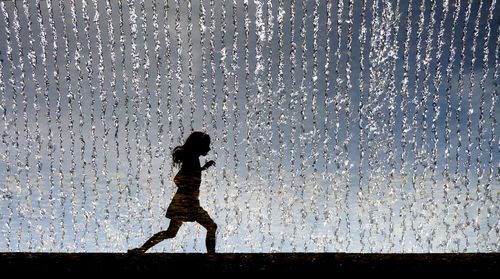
pixel 211 227
pixel 172 230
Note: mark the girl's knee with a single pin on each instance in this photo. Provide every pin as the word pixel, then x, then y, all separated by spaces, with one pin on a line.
pixel 211 227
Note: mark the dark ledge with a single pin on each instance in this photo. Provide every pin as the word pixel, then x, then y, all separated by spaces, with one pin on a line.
pixel 333 263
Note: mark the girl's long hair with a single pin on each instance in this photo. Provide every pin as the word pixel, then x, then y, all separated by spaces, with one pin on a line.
pixel 195 140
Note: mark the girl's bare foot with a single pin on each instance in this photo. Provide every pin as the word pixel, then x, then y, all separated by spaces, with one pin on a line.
pixel 138 250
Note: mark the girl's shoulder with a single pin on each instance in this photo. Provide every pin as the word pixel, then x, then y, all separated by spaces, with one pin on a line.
pixel 191 162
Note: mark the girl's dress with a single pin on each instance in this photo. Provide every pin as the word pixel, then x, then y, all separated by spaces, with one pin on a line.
pixel 185 205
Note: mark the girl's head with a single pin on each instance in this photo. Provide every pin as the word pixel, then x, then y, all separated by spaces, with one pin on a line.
pixel 197 144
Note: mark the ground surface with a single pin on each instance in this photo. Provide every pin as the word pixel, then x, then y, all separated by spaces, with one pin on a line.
pixel 281 263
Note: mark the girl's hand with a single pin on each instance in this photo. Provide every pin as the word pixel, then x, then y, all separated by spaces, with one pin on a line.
pixel 209 164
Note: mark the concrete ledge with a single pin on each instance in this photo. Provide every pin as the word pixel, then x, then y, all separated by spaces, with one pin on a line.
pixel 332 263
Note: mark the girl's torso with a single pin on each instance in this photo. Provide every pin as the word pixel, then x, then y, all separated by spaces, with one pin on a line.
pixel 189 176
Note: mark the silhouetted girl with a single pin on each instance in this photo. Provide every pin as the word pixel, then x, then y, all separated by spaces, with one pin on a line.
pixel 185 206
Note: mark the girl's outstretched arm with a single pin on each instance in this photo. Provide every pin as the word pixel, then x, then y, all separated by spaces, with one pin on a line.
pixel 208 164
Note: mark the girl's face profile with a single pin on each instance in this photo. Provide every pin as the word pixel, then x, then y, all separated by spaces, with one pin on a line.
pixel 204 150
pixel 199 143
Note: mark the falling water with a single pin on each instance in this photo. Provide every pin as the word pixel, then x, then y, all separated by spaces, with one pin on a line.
pixel 351 125
pixel 38 140
pixel 112 174
pixel 281 119
pixel 361 145
pixel 248 227
pixel 6 123
pixel 232 230
pixel 435 104
pixel 291 107
pixel 487 189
